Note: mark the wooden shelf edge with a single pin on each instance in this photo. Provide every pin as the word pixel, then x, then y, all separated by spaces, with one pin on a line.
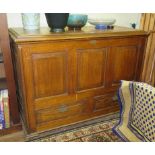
pixel 12 129
pixel 1 58
pixel 3 83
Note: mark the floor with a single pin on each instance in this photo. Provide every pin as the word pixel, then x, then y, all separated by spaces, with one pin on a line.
pixel 20 137
pixel 98 132
pixel 15 137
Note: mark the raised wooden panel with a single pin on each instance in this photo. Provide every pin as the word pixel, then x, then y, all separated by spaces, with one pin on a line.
pixel 50 72
pixel 122 64
pixel 91 65
pixel 61 111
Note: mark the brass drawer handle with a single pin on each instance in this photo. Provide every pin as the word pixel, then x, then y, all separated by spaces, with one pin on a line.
pixel 63 108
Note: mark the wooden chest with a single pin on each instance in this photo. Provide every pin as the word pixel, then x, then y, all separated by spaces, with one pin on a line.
pixel 64 78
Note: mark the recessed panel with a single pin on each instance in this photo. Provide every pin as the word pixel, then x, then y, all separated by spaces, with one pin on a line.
pixel 50 74
pixel 122 63
pixel 90 68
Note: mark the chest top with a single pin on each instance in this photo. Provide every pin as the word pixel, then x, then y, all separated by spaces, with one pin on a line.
pixel 19 35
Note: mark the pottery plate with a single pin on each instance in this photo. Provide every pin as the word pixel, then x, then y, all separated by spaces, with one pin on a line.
pixel 101 21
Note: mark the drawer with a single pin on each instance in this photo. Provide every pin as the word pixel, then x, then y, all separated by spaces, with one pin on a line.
pixel 61 111
pixel 105 101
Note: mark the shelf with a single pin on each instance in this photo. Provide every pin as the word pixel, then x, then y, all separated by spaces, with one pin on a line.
pixel 1 58
pixel 3 83
pixel 7 76
pixel 12 129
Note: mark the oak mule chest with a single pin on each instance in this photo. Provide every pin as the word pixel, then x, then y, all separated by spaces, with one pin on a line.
pixel 64 78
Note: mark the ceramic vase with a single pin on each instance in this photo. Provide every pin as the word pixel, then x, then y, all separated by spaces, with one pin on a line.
pixel 31 21
pixel 57 21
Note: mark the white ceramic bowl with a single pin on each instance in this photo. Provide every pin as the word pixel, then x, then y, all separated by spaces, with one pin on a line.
pixel 101 21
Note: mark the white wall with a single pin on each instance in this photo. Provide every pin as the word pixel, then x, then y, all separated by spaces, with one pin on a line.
pixel 122 19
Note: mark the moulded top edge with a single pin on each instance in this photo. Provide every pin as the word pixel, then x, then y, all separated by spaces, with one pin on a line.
pixel 21 35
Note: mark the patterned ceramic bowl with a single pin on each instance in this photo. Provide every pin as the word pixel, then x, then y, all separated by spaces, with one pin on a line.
pixel 77 21
pixel 101 21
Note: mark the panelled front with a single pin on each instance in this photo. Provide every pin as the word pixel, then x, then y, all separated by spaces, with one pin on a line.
pixel 73 80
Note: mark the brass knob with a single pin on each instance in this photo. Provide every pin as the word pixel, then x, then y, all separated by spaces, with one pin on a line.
pixel 63 108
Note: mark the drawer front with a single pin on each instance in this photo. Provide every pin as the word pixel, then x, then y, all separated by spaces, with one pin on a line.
pixel 61 112
pixel 105 101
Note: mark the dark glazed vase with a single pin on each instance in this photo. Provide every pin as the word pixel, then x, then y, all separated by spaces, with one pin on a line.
pixel 57 21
